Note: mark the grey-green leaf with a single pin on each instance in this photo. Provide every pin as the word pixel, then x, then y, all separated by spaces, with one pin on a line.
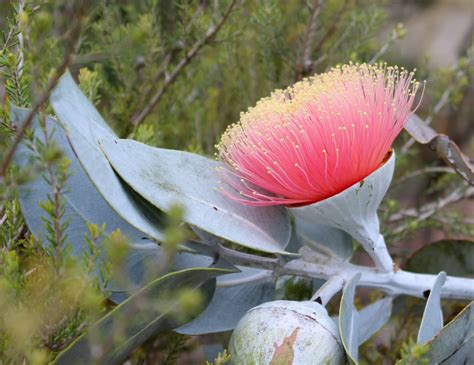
pixel 94 209
pixel 235 295
pixel 373 317
pixel 84 127
pixel 349 321
pixel 432 320
pixel 78 210
pixel 324 239
pixel 148 312
pixel 455 343
pixel 165 177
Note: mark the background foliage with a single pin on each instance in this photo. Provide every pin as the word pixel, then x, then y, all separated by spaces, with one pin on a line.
pixel 127 54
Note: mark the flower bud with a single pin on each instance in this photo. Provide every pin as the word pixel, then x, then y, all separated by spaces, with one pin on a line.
pixel 286 332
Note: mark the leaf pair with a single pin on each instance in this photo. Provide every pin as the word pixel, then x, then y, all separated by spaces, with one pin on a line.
pixel 95 194
pixel 356 327
pixel 162 177
pixel 85 205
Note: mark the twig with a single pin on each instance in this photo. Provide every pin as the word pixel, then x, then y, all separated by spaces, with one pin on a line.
pixel 6 42
pixel 159 74
pixel 425 170
pixel 73 38
pixel 429 209
pixel 21 56
pixel 466 221
pixel 394 283
pixel 210 34
pixel 395 35
pixel 332 29
pixel 330 288
pixel 309 63
pixel 310 32
pixel 437 108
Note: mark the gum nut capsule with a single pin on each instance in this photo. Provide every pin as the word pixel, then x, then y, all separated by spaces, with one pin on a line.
pixel 286 332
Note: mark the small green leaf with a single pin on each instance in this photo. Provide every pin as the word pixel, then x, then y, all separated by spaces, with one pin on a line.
pixel 148 312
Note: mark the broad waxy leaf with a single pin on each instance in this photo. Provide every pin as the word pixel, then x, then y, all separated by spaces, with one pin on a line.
pixel 432 320
pixel 79 211
pixel 235 294
pixel 324 239
pixel 349 321
pixel 145 314
pixel 84 127
pixel 373 317
pixel 165 177
pixel 140 267
pixel 454 344
pixel 455 257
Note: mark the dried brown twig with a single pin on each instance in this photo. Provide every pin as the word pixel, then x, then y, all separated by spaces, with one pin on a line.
pixel 444 148
pixel 198 45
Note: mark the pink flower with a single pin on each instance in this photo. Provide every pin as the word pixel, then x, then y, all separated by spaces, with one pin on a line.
pixel 318 137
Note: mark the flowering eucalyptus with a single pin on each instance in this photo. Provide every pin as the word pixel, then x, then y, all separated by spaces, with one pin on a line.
pixel 318 137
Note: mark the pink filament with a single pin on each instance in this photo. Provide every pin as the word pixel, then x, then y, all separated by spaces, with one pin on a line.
pixel 317 138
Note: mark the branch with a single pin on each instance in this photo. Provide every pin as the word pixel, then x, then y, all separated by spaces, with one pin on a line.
pixel 429 209
pixel 310 32
pixel 393 283
pixel 309 64
pixel 210 34
pixel 330 288
pixel 445 149
pixel 74 36
pixel 425 170
pixel 20 45
pixel 161 72
pixel 437 108
pixel 397 33
pixel 333 28
pixel 432 207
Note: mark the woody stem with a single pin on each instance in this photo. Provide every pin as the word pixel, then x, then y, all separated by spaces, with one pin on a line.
pixel 380 255
pixel 393 283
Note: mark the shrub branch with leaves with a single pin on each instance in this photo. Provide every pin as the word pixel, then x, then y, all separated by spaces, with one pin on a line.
pixel 114 246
